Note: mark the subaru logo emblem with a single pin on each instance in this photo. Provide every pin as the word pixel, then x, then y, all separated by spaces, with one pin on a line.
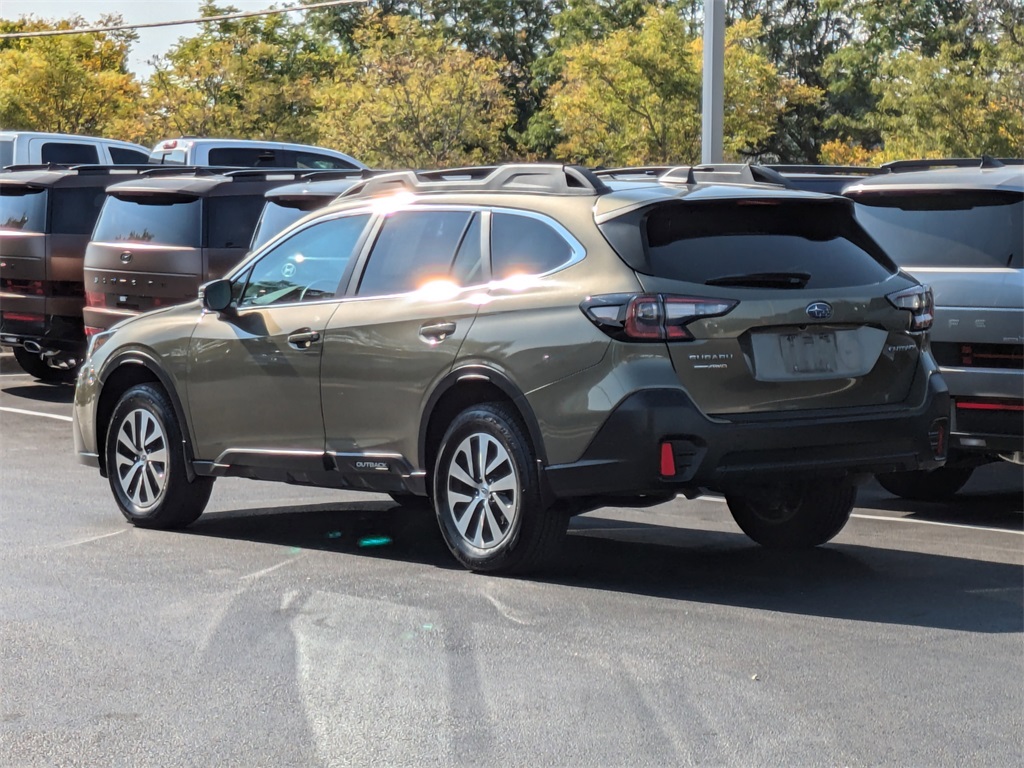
pixel 819 310
pixel 126 256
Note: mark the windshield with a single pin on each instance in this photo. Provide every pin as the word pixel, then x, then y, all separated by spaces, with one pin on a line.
pixel 275 218
pixel 967 230
pixel 23 209
pixel 158 220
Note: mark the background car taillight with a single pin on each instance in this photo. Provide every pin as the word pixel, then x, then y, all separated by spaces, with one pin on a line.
pixel 651 316
pixel 919 302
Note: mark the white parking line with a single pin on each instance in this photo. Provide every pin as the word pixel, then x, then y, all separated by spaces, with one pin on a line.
pixel 886 519
pixel 36 413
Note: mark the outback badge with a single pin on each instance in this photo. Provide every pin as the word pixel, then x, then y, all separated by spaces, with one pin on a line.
pixel 819 310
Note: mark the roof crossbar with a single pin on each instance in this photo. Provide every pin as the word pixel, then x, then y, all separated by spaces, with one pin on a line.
pixel 733 173
pixel 985 161
pixel 546 178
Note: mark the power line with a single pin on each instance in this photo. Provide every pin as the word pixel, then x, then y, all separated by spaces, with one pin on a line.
pixel 201 20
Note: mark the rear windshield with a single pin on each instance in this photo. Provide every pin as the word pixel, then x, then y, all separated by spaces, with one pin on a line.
pixel 760 244
pixel 168 157
pixel 160 220
pixel 964 229
pixel 23 209
pixel 75 210
pixel 276 218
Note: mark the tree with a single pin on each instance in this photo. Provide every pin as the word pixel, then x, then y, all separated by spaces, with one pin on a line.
pixel 245 78
pixel 634 96
pixel 413 100
pixel 69 83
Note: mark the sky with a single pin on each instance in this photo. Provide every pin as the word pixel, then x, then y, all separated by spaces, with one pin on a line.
pixel 151 42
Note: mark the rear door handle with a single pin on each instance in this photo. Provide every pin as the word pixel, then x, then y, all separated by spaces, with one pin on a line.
pixel 304 338
pixel 435 332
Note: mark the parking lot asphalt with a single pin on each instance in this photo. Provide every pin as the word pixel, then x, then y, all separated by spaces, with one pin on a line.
pixel 303 627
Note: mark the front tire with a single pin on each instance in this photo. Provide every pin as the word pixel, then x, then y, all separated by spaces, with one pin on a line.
pixel 487 494
pixel 34 365
pixel 146 463
pixel 926 484
pixel 793 514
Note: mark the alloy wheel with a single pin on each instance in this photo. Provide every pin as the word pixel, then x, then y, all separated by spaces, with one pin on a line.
pixel 141 452
pixel 482 491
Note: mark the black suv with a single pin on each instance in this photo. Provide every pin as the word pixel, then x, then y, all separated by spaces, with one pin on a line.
pixel 521 343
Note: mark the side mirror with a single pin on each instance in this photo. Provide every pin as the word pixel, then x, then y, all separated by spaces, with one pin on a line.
pixel 216 295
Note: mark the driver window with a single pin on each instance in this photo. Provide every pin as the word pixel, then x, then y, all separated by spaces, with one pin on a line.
pixel 308 266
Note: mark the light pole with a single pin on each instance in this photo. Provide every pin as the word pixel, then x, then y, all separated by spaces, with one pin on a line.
pixel 712 107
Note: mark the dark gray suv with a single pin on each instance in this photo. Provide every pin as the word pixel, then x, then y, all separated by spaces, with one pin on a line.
pixel 522 343
pixel 961 230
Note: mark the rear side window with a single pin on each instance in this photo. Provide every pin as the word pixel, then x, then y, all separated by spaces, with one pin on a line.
pixel 316 160
pixel 122 156
pixel 75 210
pixel 959 229
pixel 231 220
pixel 68 154
pixel 159 219
pixel 413 248
pixel 761 244
pixel 523 245
pixel 6 152
pixel 22 209
pixel 245 157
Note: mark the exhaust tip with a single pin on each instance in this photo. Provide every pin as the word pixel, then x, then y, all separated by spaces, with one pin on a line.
pixel 33 347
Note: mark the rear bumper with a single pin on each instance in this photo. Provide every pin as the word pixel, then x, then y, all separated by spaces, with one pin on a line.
pixel 626 458
pixel 62 333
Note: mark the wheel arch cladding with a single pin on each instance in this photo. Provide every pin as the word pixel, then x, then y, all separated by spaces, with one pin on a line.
pixel 464 389
pixel 123 374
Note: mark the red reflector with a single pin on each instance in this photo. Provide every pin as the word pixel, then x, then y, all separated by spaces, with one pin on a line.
pixel 668 460
pixel 989 407
pixel 93 299
pixel 90 331
pixel 24 317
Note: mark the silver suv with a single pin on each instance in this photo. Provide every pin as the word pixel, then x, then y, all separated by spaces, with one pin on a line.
pixel 961 231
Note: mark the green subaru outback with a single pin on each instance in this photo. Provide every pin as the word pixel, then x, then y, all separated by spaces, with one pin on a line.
pixel 522 343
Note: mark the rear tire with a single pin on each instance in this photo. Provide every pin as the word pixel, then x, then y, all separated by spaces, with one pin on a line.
pixel 794 514
pixel 487 494
pixel 926 484
pixel 35 365
pixel 146 462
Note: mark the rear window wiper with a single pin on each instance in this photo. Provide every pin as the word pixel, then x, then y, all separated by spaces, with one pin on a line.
pixel 763 280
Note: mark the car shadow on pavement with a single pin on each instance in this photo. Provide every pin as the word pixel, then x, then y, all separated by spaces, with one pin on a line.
pixel 42 393
pixel 850 582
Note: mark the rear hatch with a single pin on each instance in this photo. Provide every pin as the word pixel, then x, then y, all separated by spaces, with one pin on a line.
pixel 22 256
pixel 146 252
pixel 788 300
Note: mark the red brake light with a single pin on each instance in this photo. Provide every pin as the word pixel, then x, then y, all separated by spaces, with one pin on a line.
pixel 651 316
pixel 93 299
pixel 919 301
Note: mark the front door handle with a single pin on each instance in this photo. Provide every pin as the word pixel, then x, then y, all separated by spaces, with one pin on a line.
pixel 304 338
pixel 435 332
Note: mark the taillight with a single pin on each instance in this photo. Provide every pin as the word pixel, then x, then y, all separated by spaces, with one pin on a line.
pixel 23 287
pixel 90 331
pixel 95 299
pixel 919 302
pixel 651 316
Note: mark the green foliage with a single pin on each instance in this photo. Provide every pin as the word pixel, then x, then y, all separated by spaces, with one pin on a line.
pixel 248 78
pixel 69 83
pixel 413 100
pixel 633 97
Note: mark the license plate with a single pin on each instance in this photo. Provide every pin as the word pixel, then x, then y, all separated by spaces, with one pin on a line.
pixel 809 352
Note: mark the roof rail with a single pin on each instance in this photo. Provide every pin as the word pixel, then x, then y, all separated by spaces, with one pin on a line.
pixel 333 174
pixel 734 173
pixel 38 167
pixel 985 161
pixel 644 171
pixel 829 170
pixel 547 178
